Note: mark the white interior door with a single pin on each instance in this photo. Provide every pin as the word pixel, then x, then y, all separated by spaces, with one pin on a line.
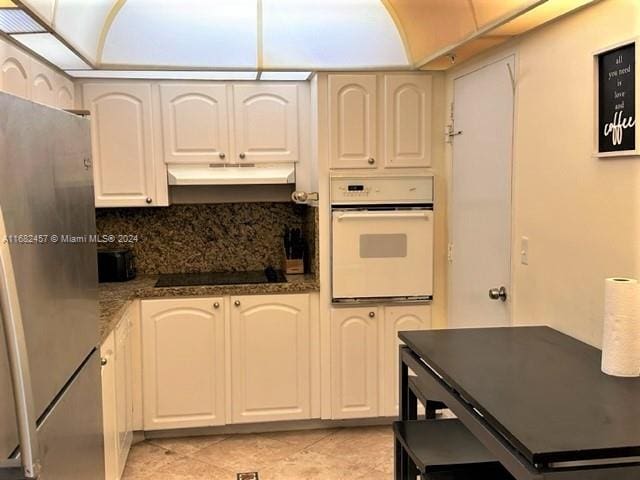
pixel 480 221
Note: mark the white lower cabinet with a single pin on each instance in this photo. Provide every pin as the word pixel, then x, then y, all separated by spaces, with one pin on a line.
pixel 270 358
pixel 117 397
pixel 107 352
pixel 354 362
pixel 199 362
pixel 364 357
pixel 183 348
pixel 398 319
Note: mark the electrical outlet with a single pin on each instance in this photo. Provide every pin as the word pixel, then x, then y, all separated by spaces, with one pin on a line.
pixel 524 250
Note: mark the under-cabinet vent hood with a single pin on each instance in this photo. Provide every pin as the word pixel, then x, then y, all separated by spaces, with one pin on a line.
pixel 268 174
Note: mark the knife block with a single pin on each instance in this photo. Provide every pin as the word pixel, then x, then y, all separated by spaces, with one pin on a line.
pixel 292 266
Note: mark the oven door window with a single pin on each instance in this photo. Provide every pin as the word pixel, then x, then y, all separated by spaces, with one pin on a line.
pixel 383 245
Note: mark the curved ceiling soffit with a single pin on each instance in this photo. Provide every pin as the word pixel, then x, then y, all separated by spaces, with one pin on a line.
pixel 119 4
pixel 432 24
pixel 401 31
pixel 108 22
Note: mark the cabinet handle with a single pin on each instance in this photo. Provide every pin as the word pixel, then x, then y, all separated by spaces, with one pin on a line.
pixel 372 314
pixel 237 303
pixel 222 155
pixel 243 155
pixel 103 361
pixel 149 200
pixel 371 161
pixel 216 305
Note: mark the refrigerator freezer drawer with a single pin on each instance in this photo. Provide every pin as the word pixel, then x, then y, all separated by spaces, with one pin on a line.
pixel 71 439
pixel 8 427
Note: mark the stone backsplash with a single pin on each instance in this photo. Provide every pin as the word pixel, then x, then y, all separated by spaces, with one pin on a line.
pixel 214 237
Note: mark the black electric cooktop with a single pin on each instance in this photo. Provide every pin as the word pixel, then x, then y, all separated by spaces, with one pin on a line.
pixel 268 275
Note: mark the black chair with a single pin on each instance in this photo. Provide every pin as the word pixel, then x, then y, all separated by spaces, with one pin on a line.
pixel 446 450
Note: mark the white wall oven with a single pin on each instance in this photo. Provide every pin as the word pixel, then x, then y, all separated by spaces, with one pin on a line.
pixel 382 238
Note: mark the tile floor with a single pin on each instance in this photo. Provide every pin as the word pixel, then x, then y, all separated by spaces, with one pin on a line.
pixel 334 454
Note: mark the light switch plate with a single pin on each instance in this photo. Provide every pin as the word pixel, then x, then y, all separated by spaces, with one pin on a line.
pixel 524 250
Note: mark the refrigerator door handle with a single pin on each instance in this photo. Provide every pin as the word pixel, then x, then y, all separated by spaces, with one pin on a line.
pixel 18 362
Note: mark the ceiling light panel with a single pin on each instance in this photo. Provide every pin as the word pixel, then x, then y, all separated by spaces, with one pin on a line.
pixel 284 76
pixel 14 20
pixel 163 75
pixel 81 22
pixel 50 48
pixel 43 8
pixel 188 33
pixel 330 34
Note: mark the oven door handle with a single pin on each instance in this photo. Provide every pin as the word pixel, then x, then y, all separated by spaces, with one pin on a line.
pixel 395 215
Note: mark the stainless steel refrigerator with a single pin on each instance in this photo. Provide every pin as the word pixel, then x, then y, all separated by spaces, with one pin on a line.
pixel 50 400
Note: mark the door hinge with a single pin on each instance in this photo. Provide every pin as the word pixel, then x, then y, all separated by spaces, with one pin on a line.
pixel 450 253
pixel 450 130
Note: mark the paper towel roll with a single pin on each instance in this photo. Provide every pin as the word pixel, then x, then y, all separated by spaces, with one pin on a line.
pixel 621 336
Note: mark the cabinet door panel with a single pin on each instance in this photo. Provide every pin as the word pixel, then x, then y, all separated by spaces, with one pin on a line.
pixel 407 120
pixel 124 399
pixel 266 123
pixel 194 123
pixel 43 84
pixel 65 93
pixel 354 362
pixel 123 156
pixel 270 358
pixel 183 363
pixel 109 414
pixel 352 118
pixel 15 71
pixel 399 319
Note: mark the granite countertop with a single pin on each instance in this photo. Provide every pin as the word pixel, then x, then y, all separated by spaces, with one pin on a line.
pixel 114 298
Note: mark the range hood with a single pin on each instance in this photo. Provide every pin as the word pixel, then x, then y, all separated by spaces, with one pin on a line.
pixel 203 174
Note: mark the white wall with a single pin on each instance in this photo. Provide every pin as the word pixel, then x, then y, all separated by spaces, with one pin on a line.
pixel 581 214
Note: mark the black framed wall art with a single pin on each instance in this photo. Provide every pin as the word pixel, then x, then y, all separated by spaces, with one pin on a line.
pixel 616 102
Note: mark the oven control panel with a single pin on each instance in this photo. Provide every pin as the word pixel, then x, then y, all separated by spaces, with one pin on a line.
pixel 382 190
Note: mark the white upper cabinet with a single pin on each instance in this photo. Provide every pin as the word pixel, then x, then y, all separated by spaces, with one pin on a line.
pixel 183 364
pixel 43 84
pixel 270 358
pixel 124 163
pixel 407 120
pixel 401 127
pixel 26 77
pixel 15 71
pixel 352 119
pixel 266 123
pixel 65 93
pixel 195 123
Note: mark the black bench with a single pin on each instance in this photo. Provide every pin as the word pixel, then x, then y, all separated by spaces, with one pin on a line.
pixel 446 450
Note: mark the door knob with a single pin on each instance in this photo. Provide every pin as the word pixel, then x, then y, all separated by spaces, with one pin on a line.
pixel 243 155
pixel 148 200
pixel 222 155
pixel 237 303
pixel 103 361
pixel 216 305
pixel 372 314
pixel 498 294
pixel 371 161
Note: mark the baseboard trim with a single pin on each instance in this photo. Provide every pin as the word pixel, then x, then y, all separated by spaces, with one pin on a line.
pixel 313 424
